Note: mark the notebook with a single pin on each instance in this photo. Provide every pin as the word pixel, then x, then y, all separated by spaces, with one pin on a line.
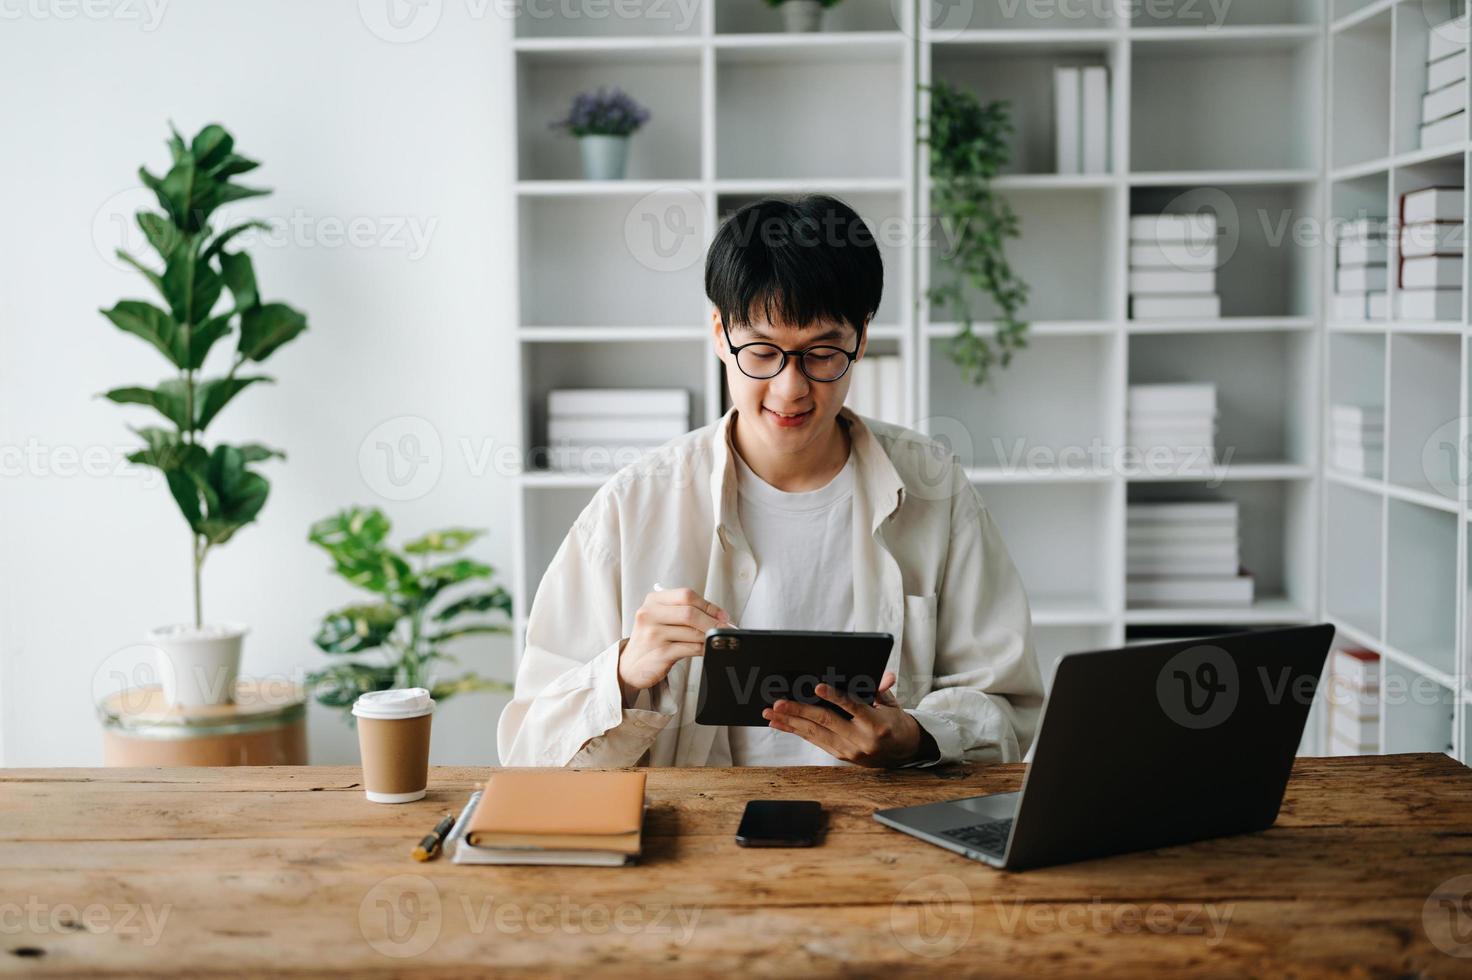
pixel 529 816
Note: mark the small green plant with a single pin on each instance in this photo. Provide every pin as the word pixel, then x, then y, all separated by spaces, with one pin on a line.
pixel 969 146
pixel 216 490
pixel 415 615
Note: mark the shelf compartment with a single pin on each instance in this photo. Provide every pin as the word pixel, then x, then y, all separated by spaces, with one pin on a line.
pixel 638 19
pixel 1053 400
pixel 1418 714
pixel 1067 255
pixel 1353 533
pixel 744 17
pixel 1058 537
pixel 1267 265
pixel 666 81
pixel 1023 78
pixel 812 135
pixel 548 514
pixel 1415 20
pixel 613 261
pixel 1264 383
pixel 1421 582
pixel 1424 417
pixel 1356 377
pixel 1052 643
pixel 1359 92
pixel 1205 105
pixel 1238 13
pixel 1440 171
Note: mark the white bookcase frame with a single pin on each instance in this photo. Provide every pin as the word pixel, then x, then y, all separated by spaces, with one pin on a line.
pixel 1272 354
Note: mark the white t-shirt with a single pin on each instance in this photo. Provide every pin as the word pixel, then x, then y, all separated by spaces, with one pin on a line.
pixel 803 547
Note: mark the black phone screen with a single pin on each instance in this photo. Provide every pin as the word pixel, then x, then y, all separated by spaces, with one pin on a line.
pixel 780 823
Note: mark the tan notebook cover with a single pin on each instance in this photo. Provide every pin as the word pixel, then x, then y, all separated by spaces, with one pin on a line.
pixel 560 809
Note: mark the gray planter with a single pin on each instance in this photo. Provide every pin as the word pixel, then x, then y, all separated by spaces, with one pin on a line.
pixel 604 157
pixel 803 15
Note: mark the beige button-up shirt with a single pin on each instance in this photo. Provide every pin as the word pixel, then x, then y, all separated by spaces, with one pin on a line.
pixel 929 567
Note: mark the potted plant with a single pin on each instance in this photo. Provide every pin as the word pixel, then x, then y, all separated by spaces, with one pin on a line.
pixel 968 147
pixel 416 612
pixel 801 16
pixel 603 120
pixel 216 488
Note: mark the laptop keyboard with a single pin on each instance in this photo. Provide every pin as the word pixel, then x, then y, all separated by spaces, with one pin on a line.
pixel 990 837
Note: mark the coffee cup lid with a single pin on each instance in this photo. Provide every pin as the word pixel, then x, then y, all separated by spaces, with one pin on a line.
pixel 405 702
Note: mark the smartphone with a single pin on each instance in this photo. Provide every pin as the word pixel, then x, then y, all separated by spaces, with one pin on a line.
pixel 780 823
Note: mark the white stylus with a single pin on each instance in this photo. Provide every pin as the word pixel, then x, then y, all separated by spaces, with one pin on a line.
pixel 731 625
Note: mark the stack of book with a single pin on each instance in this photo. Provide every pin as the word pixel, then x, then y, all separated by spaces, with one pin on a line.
pixel 569 816
pixel 599 430
pixel 1362 258
pixel 1431 254
pixel 878 388
pixel 1184 554
pixel 1081 119
pixel 1173 260
pixel 1357 439
pixel 1178 420
pixel 1444 106
pixel 1354 702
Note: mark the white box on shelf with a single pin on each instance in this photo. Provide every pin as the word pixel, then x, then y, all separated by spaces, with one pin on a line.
pixel 1181 534
pixel 1447 38
pixel 1432 238
pixel 1355 307
pixel 1199 228
pixel 1446 101
pixel 1363 230
pixel 1364 252
pixel 1430 304
pixel 618 429
pixel 1357 415
pixel 1067 93
pixel 1431 272
pixel 1180 256
pixel 1172 282
pixel 1234 590
pixel 1172 399
pixel 1452 129
pixel 1354 728
pixel 1176 307
pixel 1095 107
pixel 1183 512
pixel 618 401
pixel 1432 204
pixel 1446 71
pixel 1361 279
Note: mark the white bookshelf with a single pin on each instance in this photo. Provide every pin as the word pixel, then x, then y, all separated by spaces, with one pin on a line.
pixel 1288 114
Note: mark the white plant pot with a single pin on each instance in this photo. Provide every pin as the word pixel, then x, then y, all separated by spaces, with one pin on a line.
pixel 604 157
pixel 803 15
pixel 198 666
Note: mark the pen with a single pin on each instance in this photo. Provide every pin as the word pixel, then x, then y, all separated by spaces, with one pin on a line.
pixel 429 848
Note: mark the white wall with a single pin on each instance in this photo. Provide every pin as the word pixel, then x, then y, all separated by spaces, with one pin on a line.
pixel 348 126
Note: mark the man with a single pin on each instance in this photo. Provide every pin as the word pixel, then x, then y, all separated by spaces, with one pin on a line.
pixel 790 512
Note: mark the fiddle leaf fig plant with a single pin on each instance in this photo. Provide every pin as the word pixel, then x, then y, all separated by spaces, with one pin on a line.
pixel 417 609
pixel 216 489
pixel 969 145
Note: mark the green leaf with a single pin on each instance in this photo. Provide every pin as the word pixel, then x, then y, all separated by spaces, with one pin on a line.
pixel 224 238
pixel 342 684
pixel 160 232
pixel 466 685
pixel 153 277
pixel 266 327
pixel 167 399
pixel 203 337
pixel 238 495
pixel 215 394
pixel 240 278
pixel 354 539
pixel 447 541
pixel 475 630
pixel 211 146
pixel 460 570
pixel 152 324
pixel 190 284
pixel 256 453
pixel 358 627
pixel 496 599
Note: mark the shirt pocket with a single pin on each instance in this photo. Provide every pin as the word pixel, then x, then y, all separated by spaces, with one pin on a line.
pixel 917 650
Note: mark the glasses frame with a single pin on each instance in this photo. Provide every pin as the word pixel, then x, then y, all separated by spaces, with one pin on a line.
pixel 852 355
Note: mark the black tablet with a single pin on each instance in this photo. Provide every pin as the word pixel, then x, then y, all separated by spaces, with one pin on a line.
pixel 747 671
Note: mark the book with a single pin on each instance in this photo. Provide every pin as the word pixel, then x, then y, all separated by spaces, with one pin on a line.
pixel 1354 728
pixel 1222 590
pixel 1358 438
pixel 1362 230
pixel 1199 228
pixel 1431 204
pixel 1172 399
pixel 1191 512
pixel 1181 256
pixel 1431 272
pixel 559 816
pixel 1171 282
pixel 619 401
pixel 1182 534
pixel 1146 568
pixel 1361 279
pixel 1356 307
pixel 615 428
pixel 1447 38
pixel 1357 415
pixel 1445 71
pixel 1176 307
pixel 1432 238
pixel 1095 107
pixel 1452 129
pixel 1446 101
pixel 1357 666
pixel 1374 251
pixel 1430 304
pixel 1066 123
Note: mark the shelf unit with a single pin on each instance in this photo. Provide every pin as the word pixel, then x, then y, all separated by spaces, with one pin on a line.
pixel 1242 118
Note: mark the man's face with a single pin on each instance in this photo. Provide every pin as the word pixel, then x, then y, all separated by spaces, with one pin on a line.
pixel 789 413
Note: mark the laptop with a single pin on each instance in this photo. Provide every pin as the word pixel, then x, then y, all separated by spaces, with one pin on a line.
pixel 1145 747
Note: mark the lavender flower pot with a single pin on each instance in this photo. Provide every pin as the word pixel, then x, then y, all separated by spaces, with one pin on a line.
pixel 803 16
pixel 604 157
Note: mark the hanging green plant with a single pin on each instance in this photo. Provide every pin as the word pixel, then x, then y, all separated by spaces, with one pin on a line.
pixel 969 145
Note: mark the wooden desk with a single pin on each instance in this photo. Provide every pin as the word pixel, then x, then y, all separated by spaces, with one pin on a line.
pixel 290 870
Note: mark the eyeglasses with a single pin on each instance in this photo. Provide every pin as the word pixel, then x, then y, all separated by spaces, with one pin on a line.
pixel 761 360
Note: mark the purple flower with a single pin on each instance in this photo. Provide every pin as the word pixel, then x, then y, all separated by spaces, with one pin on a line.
pixel 605 112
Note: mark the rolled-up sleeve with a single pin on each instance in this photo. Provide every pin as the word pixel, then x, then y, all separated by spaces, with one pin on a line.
pixel 568 708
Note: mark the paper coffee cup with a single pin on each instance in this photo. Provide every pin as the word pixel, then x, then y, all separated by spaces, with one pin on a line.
pixel 393 740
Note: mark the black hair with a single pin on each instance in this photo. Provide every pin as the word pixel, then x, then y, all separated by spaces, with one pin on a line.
pixel 807 259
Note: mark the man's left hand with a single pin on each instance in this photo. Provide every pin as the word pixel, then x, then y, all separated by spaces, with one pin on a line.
pixel 881 736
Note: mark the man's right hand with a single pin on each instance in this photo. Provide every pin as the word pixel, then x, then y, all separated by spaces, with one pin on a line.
pixel 668 627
